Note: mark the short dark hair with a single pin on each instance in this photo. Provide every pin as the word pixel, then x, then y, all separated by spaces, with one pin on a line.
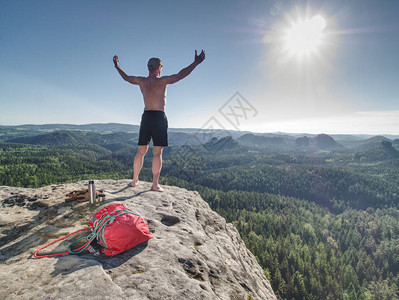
pixel 154 63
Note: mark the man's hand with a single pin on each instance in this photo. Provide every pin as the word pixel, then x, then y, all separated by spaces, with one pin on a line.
pixel 199 58
pixel 116 61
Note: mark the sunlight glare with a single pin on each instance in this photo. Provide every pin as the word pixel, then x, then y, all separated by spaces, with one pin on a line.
pixel 305 37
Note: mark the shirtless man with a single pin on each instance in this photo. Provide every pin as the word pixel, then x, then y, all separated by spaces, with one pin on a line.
pixel 154 123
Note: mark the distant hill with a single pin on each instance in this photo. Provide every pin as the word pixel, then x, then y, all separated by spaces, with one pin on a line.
pixel 341 138
pixel 224 143
pixel 373 142
pixel 325 142
pixel 61 137
pixel 10 132
pixel 384 151
pixel 319 142
pixel 181 138
pixel 111 141
pixel 96 127
pixel 303 142
pixel 251 139
pixel 366 144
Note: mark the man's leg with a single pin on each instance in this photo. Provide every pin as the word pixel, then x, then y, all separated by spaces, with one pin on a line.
pixel 156 168
pixel 138 163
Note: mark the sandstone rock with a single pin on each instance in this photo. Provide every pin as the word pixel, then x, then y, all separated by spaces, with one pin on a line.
pixel 194 254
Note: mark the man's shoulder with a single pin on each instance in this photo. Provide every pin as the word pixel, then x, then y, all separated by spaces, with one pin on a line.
pixel 149 78
pixel 169 79
pixel 165 77
pixel 136 79
pixel 163 80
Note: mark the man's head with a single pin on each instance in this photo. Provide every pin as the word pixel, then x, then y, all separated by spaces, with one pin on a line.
pixel 153 64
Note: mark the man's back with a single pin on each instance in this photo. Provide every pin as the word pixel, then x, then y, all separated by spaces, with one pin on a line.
pixel 154 92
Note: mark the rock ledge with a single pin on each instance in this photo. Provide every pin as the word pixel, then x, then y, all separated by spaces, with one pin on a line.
pixel 194 254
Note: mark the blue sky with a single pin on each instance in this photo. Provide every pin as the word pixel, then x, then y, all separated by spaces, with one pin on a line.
pixel 56 63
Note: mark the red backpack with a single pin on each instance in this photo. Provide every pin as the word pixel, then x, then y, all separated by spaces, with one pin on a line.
pixel 116 228
pixel 119 229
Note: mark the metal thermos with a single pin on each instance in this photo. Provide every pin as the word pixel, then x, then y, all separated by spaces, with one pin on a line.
pixel 92 192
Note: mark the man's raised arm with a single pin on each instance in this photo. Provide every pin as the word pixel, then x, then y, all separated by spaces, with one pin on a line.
pixel 187 70
pixel 131 79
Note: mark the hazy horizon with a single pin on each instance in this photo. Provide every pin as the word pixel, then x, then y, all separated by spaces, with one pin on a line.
pixel 389 135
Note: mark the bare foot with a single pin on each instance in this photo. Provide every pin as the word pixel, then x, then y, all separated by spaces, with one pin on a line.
pixel 133 183
pixel 157 188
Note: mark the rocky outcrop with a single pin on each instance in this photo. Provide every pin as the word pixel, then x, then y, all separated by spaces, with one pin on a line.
pixel 325 142
pixel 194 254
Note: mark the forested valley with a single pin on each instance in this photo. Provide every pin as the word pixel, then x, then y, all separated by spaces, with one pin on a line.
pixel 322 222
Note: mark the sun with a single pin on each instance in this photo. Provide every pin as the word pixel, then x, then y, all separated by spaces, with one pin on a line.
pixel 305 37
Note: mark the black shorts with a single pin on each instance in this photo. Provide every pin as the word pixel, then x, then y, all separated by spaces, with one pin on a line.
pixel 154 124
